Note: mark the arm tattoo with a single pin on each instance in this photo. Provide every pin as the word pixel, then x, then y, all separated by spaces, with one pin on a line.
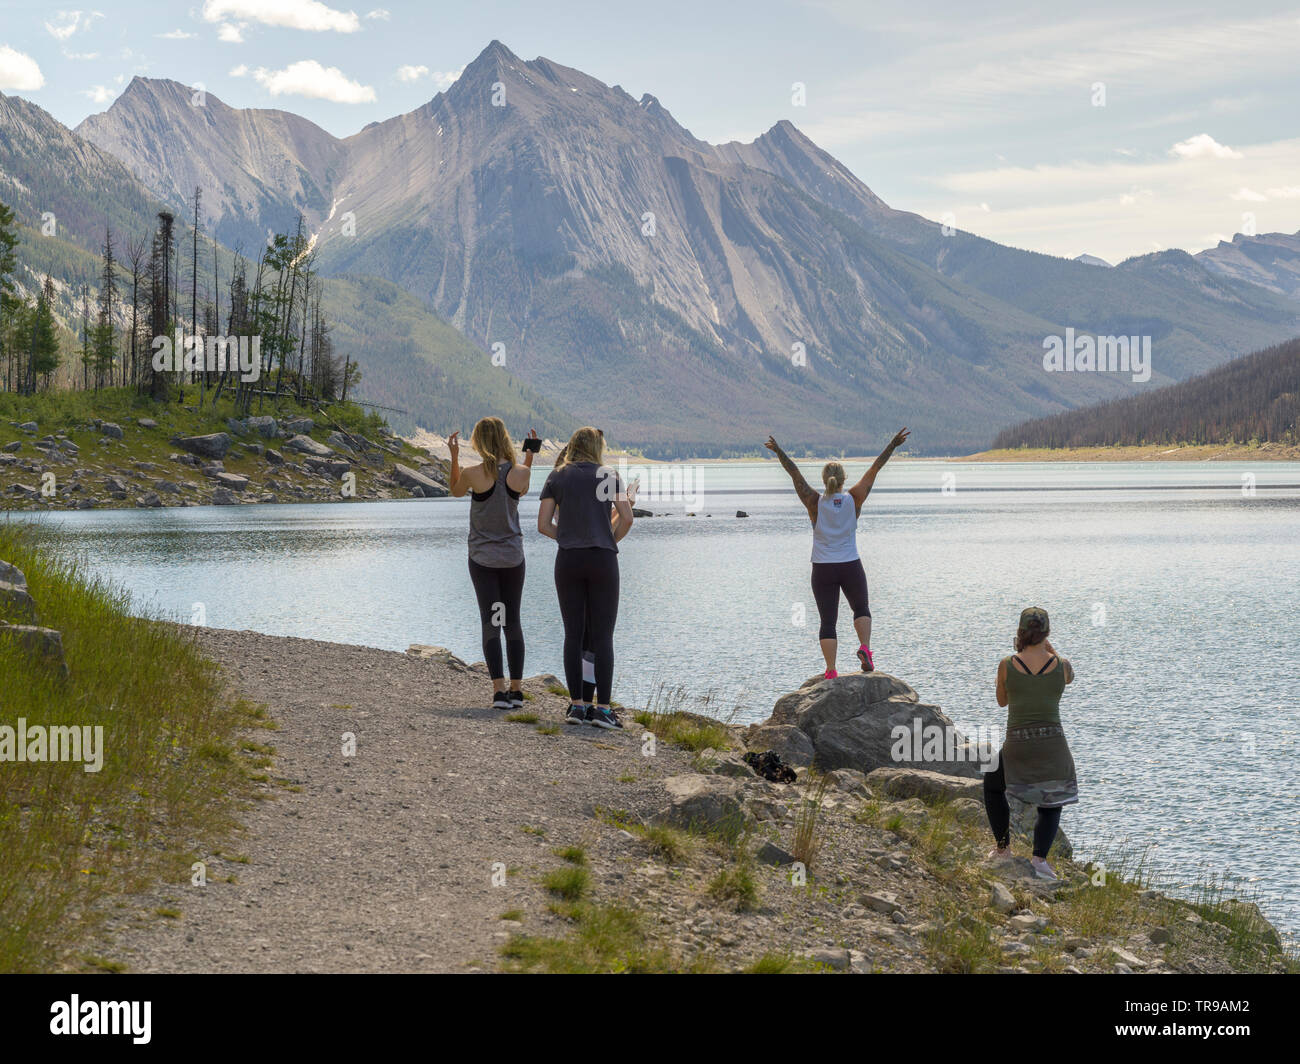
pixel 805 493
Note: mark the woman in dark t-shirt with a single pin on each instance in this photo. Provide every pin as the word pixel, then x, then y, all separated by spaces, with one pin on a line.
pixel 585 509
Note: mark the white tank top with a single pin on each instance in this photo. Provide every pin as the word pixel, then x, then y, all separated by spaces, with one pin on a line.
pixel 835 535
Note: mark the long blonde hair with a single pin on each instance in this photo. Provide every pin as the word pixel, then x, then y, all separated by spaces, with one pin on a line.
pixel 833 477
pixel 585 445
pixel 491 439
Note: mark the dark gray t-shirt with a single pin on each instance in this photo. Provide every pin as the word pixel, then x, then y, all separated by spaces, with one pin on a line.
pixel 584 494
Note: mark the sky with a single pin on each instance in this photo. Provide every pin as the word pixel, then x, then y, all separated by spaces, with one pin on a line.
pixel 1107 128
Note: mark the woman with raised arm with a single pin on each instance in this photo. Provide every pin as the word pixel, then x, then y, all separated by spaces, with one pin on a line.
pixel 496 546
pixel 586 510
pixel 836 565
pixel 1035 764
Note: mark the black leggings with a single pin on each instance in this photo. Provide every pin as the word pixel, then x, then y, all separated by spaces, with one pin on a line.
pixel 499 592
pixel 828 580
pixel 586 582
pixel 999 813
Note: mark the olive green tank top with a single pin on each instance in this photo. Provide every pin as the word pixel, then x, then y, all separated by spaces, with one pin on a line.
pixel 1034 698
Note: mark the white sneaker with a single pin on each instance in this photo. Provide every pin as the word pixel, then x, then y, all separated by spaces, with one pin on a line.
pixel 1043 870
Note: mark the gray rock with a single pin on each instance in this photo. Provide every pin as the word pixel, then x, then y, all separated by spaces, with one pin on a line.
pixel 785 740
pixel 29 426
pixel 112 431
pixel 43 643
pixel 233 481
pixel 213 445
pixel 1001 899
pixel 14 446
pixel 306 445
pixel 167 486
pixel 297 426
pixel 224 497
pixel 723 763
pixel 265 426
pixel 1027 922
pixel 835 959
pixel 409 478
pixel 113 484
pixel 274 457
pixel 16 602
pixel 11 574
pixel 333 468
pixel 147 423
pixel 149 500
pixel 881 902
pixel 872 720
pixel 923 784
pixel 703 803
pixel 848 779
pixel 439 654
pixel 772 854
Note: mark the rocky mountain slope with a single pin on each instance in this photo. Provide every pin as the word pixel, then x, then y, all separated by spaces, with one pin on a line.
pixel 669 289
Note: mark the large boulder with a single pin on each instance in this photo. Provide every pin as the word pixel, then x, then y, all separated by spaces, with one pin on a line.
pixel 873 720
pixel 213 445
pixel 264 425
pixel 296 426
pixel 410 479
pixel 704 804
pixel 785 740
pixel 327 467
pixel 233 481
pixel 16 603
pixel 45 644
pixel 304 444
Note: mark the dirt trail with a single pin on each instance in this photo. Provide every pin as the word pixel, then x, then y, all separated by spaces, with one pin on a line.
pixel 384 861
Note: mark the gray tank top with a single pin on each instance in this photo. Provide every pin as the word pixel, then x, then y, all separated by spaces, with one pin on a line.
pixel 495 538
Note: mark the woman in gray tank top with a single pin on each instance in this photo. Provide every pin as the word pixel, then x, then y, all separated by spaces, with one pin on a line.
pixel 496 547
pixel 836 566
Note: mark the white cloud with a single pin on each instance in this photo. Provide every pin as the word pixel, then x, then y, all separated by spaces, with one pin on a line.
pixel 308 78
pixel 19 71
pixel 99 94
pixel 1285 192
pixel 379 14
pixel 441 78
pixel 1203 146
pixel 239 71
pixel 177 35
pixel 287 14
pixel 1248 195
pixel 231 34
pixel 66 23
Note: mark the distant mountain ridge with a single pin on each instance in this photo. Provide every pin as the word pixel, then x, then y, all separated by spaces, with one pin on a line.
pixel 1252 398
pixel 683 294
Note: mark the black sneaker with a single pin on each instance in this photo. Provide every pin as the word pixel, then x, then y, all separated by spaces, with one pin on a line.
pixel 516 698
pixel 502 701
pixel 604 718
pixel 577 714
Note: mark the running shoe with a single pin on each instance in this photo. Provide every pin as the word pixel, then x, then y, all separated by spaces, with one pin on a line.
pixel 516 698
pixel 604 718
pixel 502 701
pixel 1043 870
pixel 864 656
pixel 577 714
pixel 831 674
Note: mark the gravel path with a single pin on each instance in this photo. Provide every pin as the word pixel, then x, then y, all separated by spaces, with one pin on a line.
pixel 384 861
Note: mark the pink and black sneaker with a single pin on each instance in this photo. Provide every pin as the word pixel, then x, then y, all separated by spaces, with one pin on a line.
pixel 864 656
pixel 831 674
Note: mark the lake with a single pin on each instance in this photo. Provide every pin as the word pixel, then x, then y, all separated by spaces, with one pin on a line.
pixel 1172 587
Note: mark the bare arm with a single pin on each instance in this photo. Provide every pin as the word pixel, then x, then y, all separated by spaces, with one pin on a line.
pixel 621 522
pixel 520 475
pixel 546 519
pixel 806 494
pixel 862 488
pixel 1065 665
pixel 1002 683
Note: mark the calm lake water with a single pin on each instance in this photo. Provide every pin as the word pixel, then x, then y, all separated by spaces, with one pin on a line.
pixel 1172 587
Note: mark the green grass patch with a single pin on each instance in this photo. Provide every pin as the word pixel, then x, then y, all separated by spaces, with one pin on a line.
pixel 605 939
pixel 172 775
pixel 569 883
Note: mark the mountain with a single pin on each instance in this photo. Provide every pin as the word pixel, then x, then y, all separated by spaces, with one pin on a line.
pixel 1255 397
pixel 1092 260
pixel 684 296
pixel 411 360
pixel 1271 261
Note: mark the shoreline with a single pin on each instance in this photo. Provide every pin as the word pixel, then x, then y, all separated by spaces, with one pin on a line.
pixel 685 850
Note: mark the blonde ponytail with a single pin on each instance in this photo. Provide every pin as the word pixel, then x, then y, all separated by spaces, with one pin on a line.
pixel 833 477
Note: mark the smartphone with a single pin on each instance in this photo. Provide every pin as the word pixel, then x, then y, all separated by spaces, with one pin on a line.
pixel 533 444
